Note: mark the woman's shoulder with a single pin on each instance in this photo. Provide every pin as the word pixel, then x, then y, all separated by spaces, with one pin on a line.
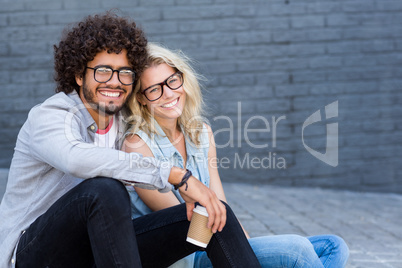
pixel 134 143
pixel 207 128
pixel 205 137
pixel 134 138
pixel 207 131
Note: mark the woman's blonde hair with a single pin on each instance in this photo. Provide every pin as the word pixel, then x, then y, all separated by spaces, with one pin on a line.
pixel 191 119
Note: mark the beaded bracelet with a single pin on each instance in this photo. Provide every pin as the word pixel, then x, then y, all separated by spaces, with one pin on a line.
pixel 184 180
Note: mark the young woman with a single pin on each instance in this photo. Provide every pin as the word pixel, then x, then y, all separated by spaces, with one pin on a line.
pixel 167 123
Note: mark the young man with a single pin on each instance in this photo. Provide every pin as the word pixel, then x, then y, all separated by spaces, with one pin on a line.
pixel 65 204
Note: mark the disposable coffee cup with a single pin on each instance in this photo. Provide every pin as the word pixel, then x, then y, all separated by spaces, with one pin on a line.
pixel 198 233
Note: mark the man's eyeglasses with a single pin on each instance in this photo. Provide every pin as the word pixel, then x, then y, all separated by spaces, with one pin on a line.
pixel 173 82
pixel 103 74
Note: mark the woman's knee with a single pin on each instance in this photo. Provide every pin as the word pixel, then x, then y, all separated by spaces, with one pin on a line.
pixel 339 249
pixel 340 244
pixel 301 252
pixel 345 251
pixel 285 251
pixel 300 244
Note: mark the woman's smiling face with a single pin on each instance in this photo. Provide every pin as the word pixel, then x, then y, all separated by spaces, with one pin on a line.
pixel 170 105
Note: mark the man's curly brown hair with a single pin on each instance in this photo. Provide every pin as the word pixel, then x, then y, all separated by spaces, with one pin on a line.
pixel 94 34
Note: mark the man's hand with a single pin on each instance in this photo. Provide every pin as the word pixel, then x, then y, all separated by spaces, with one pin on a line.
pixel 198 192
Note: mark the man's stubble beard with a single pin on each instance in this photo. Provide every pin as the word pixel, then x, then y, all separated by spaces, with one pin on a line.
pixel 101 107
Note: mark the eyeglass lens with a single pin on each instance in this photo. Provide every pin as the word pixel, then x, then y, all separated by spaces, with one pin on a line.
pixel 155 92
pixel 104 74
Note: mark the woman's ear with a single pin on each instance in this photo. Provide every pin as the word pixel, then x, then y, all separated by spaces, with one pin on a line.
pixel 140 99
pixel 79 80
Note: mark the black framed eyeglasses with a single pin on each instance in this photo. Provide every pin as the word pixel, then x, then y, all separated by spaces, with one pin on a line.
pixel 103 74
pixel 173 82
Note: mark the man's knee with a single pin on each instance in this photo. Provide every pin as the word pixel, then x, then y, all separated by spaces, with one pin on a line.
pixel 106 189
pixel 103 184
pixel 231 218
pixel 229 211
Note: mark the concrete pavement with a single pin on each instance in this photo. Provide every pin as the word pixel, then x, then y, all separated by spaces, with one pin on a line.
pixel 370 223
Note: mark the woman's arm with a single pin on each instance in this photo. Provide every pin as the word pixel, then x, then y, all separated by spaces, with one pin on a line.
pixel 215 183
pixel 154 199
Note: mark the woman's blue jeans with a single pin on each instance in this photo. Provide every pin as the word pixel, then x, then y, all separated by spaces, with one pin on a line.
pixel 91 226
pixel 328 251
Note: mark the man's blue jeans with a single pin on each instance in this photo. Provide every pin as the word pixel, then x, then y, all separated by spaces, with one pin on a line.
pixel 328 251
pixel 91 225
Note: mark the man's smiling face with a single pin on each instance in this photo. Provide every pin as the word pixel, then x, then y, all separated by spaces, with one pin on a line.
pixel 109 97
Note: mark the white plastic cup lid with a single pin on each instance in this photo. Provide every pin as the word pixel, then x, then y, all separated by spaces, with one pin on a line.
pixel 201 210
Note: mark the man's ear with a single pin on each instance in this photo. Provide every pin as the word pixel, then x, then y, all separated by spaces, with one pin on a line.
pixel 79 80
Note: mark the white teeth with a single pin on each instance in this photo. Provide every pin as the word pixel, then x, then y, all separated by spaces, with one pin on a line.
pixel 110 94
pixel 173 103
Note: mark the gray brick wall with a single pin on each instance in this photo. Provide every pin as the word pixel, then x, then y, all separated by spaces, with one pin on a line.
pixel 264 60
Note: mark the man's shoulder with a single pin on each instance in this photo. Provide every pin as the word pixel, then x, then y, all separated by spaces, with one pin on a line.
pixel 63 100
pixel 59 101
pixel 58 107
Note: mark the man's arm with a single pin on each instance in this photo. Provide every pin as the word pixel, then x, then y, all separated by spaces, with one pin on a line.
pixel 56 137
pixel 195 192
pixel 154 199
